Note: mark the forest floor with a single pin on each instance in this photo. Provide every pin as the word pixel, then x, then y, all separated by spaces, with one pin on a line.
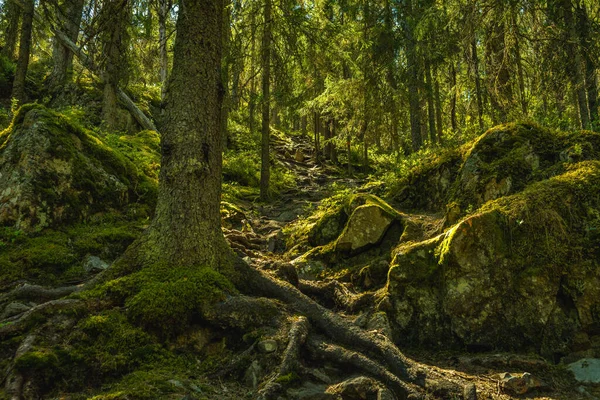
pixel 257 241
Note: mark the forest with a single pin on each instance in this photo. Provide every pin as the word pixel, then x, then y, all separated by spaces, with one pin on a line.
pixel 299 199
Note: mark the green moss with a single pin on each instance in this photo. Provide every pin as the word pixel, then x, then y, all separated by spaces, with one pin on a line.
pixel 53 257
pixel 288 379
pixel 166 299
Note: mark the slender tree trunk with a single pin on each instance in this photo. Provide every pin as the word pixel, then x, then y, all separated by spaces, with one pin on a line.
pixel 225 64
pixel 590 69
pixel 574 63
pixel 69 15
pixel 438 106
pixel 117 14
pixel 519 62
pixel 453 97
pixel 317 135
pixel 333 155
pixel 186 230
pixel 164 7
pixel 265 170
pixel 252 94
pixel 13 16
pixel 430 102
pixel 304 125
pixel 477 82
pixel 18 91
pixel 327 139
pixel 413 90
pixel 349 151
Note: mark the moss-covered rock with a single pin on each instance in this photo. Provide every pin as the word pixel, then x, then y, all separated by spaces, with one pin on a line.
pixel 52 172
pixel 520 273
pixel 366 227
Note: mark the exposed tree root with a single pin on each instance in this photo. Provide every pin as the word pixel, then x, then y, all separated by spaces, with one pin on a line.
pixel 373 347
pixel 337 293
pixel 361 388
pixel 289 362
pixel 28 318
pixel 38 293
pixel 13 379
pixel 324 351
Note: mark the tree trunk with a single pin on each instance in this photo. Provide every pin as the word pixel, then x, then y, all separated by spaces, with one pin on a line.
pixel 590 69
pixel 430 102
pixel 574 63
pixel 333 155
pixel 116 14
pixel 69 15
pixel 413 90
pixel 266 92
pixel 438 107
pixel 252 94
pixel 225 64
pixel 18 91
pixel 186 230
pixel 13 15
pixel 327 139
pixel 164 7
pixel 477 82
pixel 519 62
pixel 453 97
pixel 317 135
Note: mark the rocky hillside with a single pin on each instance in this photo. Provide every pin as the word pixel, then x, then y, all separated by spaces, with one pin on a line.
pixel 499 247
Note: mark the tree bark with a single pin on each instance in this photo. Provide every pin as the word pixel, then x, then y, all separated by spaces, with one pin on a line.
pixel 69 15
pixel 574 62
pixel 186 229
pixel 438 106
pixel 225 66
pixel 453 97
pixel 413 86
pixel 590 69
pixel 13 16
pixel 18 91
pixel 478 93
pixel 164 7
pixel 430 102
pixel 265 170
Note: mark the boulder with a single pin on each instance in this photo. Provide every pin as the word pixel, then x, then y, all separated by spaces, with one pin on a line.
pixel 54 172
pixel 506 277
pixel 366 227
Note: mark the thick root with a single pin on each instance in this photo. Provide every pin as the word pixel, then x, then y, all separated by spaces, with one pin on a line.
pixel 334 292
pixel 29 317
pixel 13 379
pixel 324 351
pixel 289 362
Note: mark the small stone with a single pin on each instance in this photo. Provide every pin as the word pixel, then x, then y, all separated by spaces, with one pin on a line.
pixel 93 264
pixel 14 308
pixel 470 392
pixel 267 346
pixel 516 384
pixel 586 370
pixel 253 374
